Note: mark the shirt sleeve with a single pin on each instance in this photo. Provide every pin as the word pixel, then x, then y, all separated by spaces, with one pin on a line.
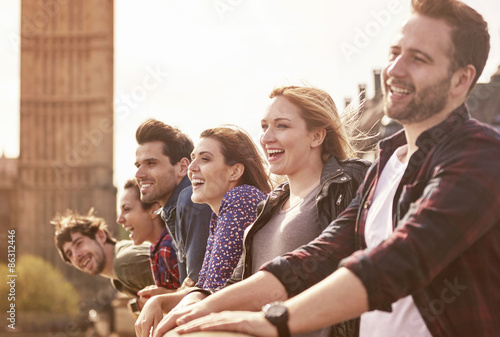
pixel 309 264
pixel 168 269
pixel 208 253
pixel 193 223
pixel 443 215
pixel 227 239
pixel 133 270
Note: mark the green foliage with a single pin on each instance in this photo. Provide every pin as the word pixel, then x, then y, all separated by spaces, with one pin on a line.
pixel 39 287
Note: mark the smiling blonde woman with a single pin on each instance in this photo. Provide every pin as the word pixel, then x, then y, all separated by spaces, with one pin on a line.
pixel 305 141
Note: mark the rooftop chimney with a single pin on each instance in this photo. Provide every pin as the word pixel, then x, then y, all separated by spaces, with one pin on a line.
pixel 347 101
pixel 362 93
pixel 376 77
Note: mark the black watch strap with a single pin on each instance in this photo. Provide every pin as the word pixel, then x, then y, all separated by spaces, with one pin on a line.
pixel 206 292
pixel 277 314
pixel 283 330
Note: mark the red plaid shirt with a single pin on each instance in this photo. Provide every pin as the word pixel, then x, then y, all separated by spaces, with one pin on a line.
pixel 164 262
pixel 445 248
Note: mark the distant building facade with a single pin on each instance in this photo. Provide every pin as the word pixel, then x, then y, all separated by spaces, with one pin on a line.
pixel 484 101
pixel 9 211
pixel 66 122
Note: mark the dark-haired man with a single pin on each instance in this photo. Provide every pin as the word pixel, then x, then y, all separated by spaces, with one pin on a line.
pixel 162 158
pixel 85 242
pixel 419 246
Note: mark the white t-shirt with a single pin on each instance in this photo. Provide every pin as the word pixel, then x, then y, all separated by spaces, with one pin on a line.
pixel 404 320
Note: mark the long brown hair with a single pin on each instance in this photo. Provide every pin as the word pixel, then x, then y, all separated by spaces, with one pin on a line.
pixel 237 147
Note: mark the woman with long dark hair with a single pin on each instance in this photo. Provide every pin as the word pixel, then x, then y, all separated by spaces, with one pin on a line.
pixel 306 141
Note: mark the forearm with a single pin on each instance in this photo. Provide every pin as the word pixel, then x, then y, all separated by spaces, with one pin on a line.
pixel 169 301
pixel 339 297
pixel 310 264
pixel 250 294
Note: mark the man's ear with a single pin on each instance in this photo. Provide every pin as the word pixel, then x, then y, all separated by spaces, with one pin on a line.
pixel 100 236
pixel 153 209
pixel 461 80
pixel 182 167
pixel 237 171
pixel 318 136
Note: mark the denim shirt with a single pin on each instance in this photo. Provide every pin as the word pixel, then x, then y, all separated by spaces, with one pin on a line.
pixel 188 224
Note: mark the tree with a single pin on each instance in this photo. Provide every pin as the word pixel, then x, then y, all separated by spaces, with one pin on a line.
pixel 38 287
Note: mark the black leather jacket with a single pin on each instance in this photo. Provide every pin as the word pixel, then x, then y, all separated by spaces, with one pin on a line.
pixel 339 182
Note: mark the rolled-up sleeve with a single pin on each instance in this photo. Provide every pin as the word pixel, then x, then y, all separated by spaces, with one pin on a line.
pixel 457 207
pixel 311 263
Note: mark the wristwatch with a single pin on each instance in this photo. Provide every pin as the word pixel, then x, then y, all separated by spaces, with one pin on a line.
pixel 277 314
pixel 134 306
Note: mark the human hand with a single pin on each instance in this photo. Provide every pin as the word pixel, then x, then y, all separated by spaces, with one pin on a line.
pixel 188 309
pixel 150 291
pixel 247 322
pixel 149 317
pixel 188 283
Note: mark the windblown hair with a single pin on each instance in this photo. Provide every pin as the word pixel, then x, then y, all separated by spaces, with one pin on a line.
pixel 320 112
pixel 72 222
pixel 470 37
pixel 237 147
pixel 176 145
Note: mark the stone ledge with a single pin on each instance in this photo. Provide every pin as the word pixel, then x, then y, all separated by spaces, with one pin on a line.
pixel 206 334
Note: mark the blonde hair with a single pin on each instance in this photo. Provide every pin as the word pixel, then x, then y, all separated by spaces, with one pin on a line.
pixel 320 112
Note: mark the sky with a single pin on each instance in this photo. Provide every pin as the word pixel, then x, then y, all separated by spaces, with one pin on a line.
pixel 198 64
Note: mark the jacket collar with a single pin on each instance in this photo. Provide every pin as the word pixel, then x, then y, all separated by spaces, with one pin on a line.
pixel 172 201
pixel 157 245
pixel 331 169
pixel 441 132
pixel 428 139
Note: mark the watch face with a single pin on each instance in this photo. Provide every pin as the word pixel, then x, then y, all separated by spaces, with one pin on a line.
pixel 276 310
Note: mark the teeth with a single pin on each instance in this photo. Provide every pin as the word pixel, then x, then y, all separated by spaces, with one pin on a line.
pixel 274 151
pixel 144 186
pixel 86 262
pixel 400 91
pixel 198 181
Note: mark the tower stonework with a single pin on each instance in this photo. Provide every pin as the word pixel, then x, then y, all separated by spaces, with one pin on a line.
pixel 66 145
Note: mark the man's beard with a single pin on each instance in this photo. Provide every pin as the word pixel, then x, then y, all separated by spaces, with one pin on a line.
pixel 426 103
pixel 101 263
